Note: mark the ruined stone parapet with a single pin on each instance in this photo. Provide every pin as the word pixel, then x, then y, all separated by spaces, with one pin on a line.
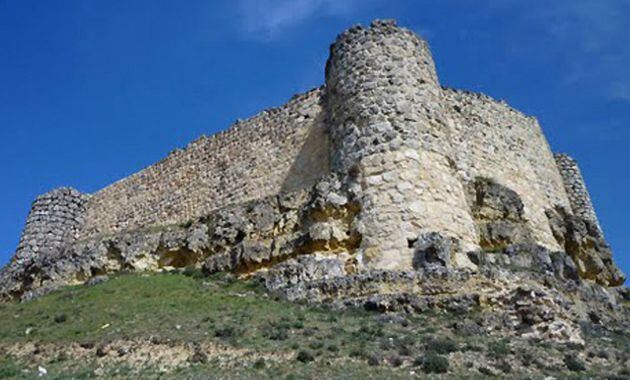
pixel 574 184
pixel 53 223
pixel 390 139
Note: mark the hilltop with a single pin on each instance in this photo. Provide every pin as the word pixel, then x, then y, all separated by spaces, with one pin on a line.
pixel 185 325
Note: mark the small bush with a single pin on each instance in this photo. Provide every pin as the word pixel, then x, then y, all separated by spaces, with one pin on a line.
pixel 316 345
pixel 396 361
pixel 441 345
pixel 333 348
pixel 225 332
pixel 305 356
pixel 418 361
pixel 358 353
pixel 298 324
pixel 275 332
pixel 309 331
pixel 471 347
pixel 499 348
pixel 434 363
pixel 260 363
pixel 374 360
pixel 404 351
pixel 574 364
pixel 193 272
pixel 370 331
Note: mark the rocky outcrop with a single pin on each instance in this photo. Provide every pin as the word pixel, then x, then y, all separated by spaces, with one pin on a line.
pixel 524 290
pixel 584 243
pixel 433 249
pixel 244 239
pixel 498 214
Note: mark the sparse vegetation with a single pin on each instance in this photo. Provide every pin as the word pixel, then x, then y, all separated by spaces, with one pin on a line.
pixel 574 364
pixel 499 348
pixel 261 336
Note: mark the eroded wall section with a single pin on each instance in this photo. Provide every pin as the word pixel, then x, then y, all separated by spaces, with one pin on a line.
pixel 574 184
pixel 280 149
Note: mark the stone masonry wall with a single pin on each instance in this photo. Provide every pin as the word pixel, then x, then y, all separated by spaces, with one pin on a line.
pixel 280 149
pixel 575 187
pixel 391 140
pixel 381 168
pixel 53 222
pixel 493 140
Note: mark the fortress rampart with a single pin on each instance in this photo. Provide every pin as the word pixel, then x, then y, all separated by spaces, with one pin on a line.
pixel 280 149
pixel 384 161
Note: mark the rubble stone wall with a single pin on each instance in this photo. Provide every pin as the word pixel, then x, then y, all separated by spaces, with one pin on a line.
pixel 53 222
pixel 391 140
pixel 281 149
pixel 580 200
pixel 493 140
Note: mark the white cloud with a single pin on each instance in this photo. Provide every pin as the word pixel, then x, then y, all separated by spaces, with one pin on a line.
pixel 266 19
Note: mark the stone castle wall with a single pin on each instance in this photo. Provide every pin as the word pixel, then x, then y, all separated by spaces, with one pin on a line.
pixel 54 221
pixel 493 140
pixel 281 149
pixel 580 200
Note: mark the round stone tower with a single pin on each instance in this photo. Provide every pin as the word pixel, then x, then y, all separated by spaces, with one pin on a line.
pixel 53 222
pixel 391 142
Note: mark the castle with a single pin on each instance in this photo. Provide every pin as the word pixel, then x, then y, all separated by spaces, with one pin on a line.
pixel 381 168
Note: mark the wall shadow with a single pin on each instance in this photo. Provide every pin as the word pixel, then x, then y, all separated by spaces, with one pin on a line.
pixel 313 160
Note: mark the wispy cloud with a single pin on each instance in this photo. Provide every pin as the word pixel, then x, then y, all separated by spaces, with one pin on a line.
pixel 266 19
pixel 619 91
pixel 593 24
pixel 589 37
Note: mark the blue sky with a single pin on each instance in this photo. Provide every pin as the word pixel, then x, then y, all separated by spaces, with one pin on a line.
pixel 92 91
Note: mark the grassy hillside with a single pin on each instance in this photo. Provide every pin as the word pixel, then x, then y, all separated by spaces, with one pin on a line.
pixel 181 325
